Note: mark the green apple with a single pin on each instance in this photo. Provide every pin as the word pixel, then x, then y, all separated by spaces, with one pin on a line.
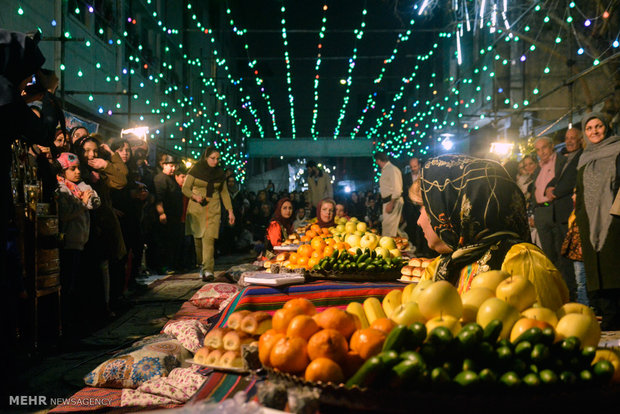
pixel 369 241
pixel 447 321
pixel 518 291
pixel 541 314
pixel 440 299
pixel 383 252
pixel 580 325
pixel 417 290
pixel 350 227
pixel 387 243
pixel 489 279
pixel 575 307
pixel 353 240
pixel 407 313
pixel 472 299
pixel 395 253
pixel 495 308
pixel 361 226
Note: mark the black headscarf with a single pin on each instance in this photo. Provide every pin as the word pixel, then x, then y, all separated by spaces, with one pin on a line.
pixel 20 57
pixel 212 175
pixel 472 204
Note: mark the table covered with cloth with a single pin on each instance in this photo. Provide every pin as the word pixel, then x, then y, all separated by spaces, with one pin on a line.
pixel 218 385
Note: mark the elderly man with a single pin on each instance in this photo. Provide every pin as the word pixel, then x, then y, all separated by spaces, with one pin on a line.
pixel 391 189
pixel 554 182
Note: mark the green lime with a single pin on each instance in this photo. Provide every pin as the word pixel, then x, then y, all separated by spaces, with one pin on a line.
pixel 487 376
pixel 603 371
pixel 469 365
pixel 531 380
pixel 523 349
pixel 510 379
pixel 586 376
pixel 440 336
pixel 549 377
pixel 439 376
pixel 466 378
pixel 568 377
pixel 540 353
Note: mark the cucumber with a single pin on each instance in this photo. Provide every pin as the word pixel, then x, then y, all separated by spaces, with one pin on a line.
pixel 373 368
pixel 491 331
pixel 397 338
pixel 389 358
pixel 531 380
pixel 540 353
pixel 510 379
pixel 523 349
pixel 417 336
pixel 548 336
pixel 467 378
pixel 408 371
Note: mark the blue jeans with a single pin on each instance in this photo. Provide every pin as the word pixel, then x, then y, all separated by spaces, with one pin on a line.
pixel 580 280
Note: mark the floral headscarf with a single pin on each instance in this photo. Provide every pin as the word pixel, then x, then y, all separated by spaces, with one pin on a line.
pixel 472 204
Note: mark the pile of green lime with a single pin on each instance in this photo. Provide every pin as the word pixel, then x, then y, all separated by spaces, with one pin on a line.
pixel 362 261
pixel 477 358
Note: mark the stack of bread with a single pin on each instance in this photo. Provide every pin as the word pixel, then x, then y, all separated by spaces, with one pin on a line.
pixel 279 261
pixel 292 239
pixel 401 242
pixel 413 271
pixel 222 346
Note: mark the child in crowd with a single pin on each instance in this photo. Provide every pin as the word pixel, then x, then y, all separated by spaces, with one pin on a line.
pixel 75 198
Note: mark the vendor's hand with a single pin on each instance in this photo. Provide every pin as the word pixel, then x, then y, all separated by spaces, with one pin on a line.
pixel 231 217
pixel 549 193
pixel 163 219
pixel 389 207
pixel 98 163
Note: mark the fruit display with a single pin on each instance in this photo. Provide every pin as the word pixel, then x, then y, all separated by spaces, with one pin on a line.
pixel 222 346
pixel 362 262
pixel 426 335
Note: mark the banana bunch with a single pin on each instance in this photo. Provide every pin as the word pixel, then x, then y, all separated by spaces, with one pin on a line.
pixel 372 308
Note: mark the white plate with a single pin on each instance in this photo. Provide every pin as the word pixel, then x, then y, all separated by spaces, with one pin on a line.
pixel 406 281
pixel 218 368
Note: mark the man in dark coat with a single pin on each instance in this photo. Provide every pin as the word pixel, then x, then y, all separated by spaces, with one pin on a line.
pixel 552 199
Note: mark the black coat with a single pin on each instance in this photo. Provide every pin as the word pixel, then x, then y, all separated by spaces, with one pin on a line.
pixel 564 183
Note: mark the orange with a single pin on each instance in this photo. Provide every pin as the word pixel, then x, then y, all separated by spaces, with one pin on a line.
pixel 331 241
pixel 341 245
pixel 329 249
pixel 282 317
pixel 324 370
pixel 307 307
pixel 318 243
pixel 338 319
pixel 305 238
pixel 312 262
pixel 347 246
pixel 325 231
pixel 383 324
pixel 289 355
pixel 328 343
pixel 302 326
pixel 304 250
pixel 352 362
pixel 293 258
pixel 367 342
pixel 265 343
pixel 316 254
pixel 316 228
pixel 302 261
pixel 311 234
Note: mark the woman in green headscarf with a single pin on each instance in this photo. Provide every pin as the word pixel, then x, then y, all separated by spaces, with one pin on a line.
pixel 473 214
pixel 598 181
pixel 205 185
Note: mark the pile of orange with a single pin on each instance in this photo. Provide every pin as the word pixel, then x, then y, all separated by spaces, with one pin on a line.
pixel 309 255
pixel 321 347
pixel 315 230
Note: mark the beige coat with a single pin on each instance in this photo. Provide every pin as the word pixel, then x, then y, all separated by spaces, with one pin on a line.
pixel 204 221
pixel 320 189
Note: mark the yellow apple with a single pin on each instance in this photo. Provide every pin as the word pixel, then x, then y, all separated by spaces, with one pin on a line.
pixel 340 228
pixel 541 314
pixel 387 243
pixel 353 240
pixel 391 301
pixel 518 291
pixel 489 279
pixel 494 308
pixel 407 313
pixel 580 325
pixel 395 253
pixel 369 241
pixel 440 299
pixel 361 226
pixel 350 227
pixel 418 289
pixel 575 307
pixel 354 219
pixel 383 252
pixel 407 292
pixel 472 299
pixel 448 321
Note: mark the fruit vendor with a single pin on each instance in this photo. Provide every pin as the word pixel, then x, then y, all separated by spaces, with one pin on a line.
pixel 473 214
pixel 325 213
pixel 281 225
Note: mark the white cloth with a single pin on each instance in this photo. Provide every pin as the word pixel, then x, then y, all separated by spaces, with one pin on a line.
pixel 391 184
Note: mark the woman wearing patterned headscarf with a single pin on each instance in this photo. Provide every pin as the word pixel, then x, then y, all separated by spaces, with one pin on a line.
pixel 598 181
pixel 473 214
pixel 205 186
